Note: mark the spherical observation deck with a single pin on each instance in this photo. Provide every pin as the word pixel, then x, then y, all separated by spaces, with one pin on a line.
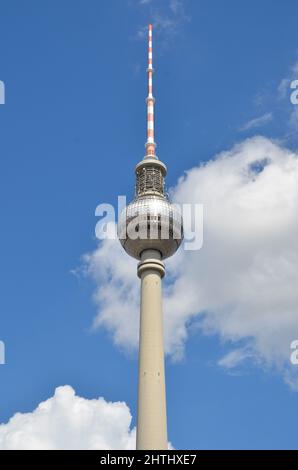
pixel 150 221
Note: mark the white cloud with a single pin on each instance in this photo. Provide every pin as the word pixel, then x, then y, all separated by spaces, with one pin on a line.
pixel 116 292
pixel 245 276
pixel 242 285
pixel 257 122
pixel 66 421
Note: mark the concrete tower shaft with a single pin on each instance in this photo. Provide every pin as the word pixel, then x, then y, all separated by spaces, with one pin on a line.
pixel 152 418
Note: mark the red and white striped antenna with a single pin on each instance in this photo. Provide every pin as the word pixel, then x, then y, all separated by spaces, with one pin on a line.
pixel 150 144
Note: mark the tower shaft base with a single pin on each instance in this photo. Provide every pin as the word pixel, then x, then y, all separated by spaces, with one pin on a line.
pixel 152 420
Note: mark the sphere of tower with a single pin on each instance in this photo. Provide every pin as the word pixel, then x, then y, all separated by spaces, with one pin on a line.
pixel 150 222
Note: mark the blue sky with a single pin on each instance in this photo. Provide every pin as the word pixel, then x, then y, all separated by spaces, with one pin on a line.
pixel 72 129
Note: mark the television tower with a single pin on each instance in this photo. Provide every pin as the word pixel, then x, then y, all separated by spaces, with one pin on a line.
pixel 150 230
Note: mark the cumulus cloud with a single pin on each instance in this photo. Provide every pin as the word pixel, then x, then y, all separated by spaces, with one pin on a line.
pixel 242 285
pixel 66 421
